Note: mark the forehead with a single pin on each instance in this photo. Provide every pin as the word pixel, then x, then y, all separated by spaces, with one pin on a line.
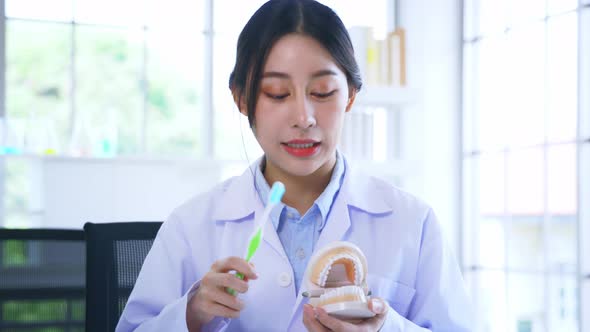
pixel 297 53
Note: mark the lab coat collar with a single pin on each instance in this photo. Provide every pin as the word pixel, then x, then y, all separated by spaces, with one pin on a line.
pixel 238 199
pixel 365 193
pixel 358 191
pixel 240 202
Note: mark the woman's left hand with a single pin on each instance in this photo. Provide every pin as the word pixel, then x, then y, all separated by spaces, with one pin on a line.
pixel 318 320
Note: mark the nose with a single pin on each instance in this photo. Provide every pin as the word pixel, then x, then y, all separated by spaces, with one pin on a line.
pixel 303 114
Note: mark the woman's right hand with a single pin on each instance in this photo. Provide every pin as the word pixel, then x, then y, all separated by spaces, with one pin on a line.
pixel 212 299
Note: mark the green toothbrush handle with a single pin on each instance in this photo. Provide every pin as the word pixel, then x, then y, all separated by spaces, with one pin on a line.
pixel 231 290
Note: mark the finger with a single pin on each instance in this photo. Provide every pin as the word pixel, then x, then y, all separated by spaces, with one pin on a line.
pixel 332 323
pixel 235 264
pixel 220 296
pixel 229 280
pixel 378 305
pixel 216 280
pixel 216 309
pixel 375 323
pixel 310 321
pixel 254 268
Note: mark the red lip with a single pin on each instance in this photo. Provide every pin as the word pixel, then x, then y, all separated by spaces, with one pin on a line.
pixel 301 151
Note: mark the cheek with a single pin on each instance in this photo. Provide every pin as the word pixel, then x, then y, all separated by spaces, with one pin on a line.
pixel 331 115
pixel 267 118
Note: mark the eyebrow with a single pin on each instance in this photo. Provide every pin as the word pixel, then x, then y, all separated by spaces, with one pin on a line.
pixel 319 73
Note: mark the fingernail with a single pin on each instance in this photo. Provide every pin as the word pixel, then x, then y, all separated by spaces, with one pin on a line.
pixel 253 269
pixel 319 311
pixel 377 306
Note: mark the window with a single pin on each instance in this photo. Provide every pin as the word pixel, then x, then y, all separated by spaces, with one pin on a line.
pixel 84 79
pixel 521 141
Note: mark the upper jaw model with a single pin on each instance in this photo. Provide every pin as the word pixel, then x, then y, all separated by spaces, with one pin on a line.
pixel 335 279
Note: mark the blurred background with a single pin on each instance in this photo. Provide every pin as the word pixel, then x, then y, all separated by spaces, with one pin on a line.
pixel 120 111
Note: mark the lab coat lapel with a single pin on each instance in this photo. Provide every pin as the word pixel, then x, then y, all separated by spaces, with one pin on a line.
pixel 337 224
pixel 242 193
pixel 270 235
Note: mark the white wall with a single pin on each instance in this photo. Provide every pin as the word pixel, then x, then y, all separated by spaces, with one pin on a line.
pixel 71 191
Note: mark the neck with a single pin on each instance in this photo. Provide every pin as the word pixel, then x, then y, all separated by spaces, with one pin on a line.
pixel 302 191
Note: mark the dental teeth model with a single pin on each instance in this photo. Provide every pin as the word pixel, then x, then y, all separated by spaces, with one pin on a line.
pixel 342 294
pixel 335 279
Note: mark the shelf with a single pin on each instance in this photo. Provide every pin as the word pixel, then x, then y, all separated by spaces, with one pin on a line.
pixel 121 159
pixel 24 212
pixel 386 96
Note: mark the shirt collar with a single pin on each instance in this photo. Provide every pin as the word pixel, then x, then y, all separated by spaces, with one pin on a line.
pixel 323 202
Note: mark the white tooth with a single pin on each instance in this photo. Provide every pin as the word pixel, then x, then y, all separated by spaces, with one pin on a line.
pixel 301 146
pixel 357 268
pixel 345 290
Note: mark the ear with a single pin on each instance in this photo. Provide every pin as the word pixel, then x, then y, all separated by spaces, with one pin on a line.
pixel 240 103
pixel 351 96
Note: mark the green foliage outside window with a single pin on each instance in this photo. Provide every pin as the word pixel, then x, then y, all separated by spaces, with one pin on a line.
pixel 14 253
pixel 34 311
pixel 114 82
pixel 58 312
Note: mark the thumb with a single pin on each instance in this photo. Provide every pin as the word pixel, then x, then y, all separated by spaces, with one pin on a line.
pixel 377 305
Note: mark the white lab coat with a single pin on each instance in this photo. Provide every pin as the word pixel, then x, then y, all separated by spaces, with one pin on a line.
pixel 409 264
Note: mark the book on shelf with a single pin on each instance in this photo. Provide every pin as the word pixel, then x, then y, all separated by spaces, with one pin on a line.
pixel 396 66
pixel 381 61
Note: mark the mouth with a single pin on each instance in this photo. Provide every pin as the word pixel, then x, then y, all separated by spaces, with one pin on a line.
pixel 301 148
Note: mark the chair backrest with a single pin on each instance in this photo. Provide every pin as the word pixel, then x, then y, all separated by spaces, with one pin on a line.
pixel 114 254
pixel 42 279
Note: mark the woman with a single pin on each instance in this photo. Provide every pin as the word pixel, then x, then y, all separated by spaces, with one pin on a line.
pixel 295 78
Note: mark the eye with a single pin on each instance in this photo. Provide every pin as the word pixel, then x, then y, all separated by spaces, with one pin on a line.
pixel 277 97
pixel 323 95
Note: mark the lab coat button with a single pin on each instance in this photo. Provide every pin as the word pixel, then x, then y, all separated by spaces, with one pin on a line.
pixel 284 279
pixel 300 253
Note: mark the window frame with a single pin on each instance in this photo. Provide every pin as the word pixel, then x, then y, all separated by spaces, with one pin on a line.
pixel 470 158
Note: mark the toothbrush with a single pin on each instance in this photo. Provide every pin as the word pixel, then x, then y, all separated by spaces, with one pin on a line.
pixel 276 193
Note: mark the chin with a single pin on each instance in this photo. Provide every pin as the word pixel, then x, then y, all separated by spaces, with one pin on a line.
pixel 336 278
pixel 303 168
pixel 295 166
pixel 306 166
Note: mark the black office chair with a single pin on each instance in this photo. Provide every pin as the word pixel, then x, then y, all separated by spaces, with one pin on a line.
pixel 42 280
pixel 114 253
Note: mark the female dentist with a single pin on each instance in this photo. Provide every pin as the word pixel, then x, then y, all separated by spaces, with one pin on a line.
pixel 295 77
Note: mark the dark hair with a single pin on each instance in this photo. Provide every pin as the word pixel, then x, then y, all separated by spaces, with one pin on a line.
pixel 275 19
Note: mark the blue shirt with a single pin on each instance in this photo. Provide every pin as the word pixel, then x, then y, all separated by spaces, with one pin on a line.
pixel 299 234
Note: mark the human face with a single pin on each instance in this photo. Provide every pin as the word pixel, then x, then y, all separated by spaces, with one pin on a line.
pixel 300 108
